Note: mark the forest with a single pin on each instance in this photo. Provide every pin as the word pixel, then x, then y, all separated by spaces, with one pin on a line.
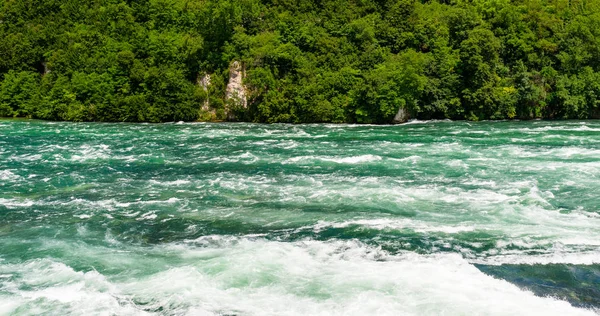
pixel 339 61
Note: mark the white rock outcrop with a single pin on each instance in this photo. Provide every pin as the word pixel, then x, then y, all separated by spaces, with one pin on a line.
pixel 402 116
pixel 204 82
pixel 236 92
pixel 46 68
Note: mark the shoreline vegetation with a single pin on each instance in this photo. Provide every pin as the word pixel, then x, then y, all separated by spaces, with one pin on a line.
pixel 299 61
pixel 409 122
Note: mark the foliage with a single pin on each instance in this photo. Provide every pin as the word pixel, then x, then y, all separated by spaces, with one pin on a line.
pixel 305 60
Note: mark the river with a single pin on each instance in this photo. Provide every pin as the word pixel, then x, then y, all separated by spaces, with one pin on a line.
pixel 427 218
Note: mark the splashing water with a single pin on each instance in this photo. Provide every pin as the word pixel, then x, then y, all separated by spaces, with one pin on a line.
pixel 454 218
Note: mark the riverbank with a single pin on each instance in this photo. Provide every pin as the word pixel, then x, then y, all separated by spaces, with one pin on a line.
pixel 409 122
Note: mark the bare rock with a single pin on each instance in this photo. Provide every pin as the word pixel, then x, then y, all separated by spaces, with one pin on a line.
pixel 46 68
pixel 402 116
pixel 204 82
pixel 207 113
pixel 236 92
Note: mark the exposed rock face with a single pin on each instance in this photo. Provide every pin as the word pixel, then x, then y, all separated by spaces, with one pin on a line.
pixel 402 116
pixel 204 82
pixel 206 112
pixel 46 69
pixel 236 93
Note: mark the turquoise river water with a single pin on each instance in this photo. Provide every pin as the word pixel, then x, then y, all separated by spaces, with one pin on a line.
pixel 436 218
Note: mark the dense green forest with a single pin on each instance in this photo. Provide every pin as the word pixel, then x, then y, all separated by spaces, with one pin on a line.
pixel 304 60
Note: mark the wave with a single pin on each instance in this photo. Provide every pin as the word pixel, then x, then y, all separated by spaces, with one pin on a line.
pixel 217 275
pixel 8 175
pixel 339 160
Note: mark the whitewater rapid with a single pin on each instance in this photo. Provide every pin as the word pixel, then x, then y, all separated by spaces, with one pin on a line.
pixel 436 218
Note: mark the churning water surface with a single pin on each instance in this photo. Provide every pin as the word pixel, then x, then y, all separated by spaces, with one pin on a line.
pixel 452 218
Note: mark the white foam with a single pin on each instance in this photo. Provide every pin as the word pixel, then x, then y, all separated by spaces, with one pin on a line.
pixel 13 203
pixel 27 157
pixel 395 224
pixel 354 159
pixel 147 216
pixel 415 121
pixel 413 159
pixel 249 277
pixel 179 182
pixel 8 175
pixel 88 152
pixel 245 158
pixel 54 288
pixel 339 160
pixel 564 257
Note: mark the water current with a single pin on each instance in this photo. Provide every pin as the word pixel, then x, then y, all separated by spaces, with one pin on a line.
pixel 428 218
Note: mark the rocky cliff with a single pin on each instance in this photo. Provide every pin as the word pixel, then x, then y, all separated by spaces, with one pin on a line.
pixel 402 116
pixel 235 95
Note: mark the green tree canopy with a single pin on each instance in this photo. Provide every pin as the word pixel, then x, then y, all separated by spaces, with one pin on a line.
pixel 303 60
